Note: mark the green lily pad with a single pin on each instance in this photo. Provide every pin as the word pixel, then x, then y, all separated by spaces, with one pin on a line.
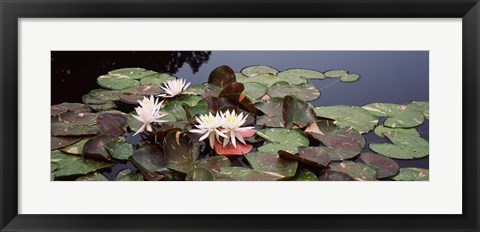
pixel 297 112
pixel 128 175
pixel 384 166
pixel 344 143
pixel 102 107
pixel 94 147
pixel 135 94
pixel 336 73
pixel 68 107
pixel 60 142
pixel 334 176
pixel 300 72
pixel 357 171
pixel 304 175
pixel 75 124
pixel 197 89
pixel 100 96
pixel 247 174
pixel 222 76
pixel 76 148
pixel 305 91
pixel 397 115
pixel 271 163
pixel 174 106
pixel 405 146
pixel 282 139
pixel 270 121
pixel 256 70
pixel 112 124
pixel 131 73
pixel 95 176
pixel 150 160
pixel 200 174
pixel 349 116
pixel 273 113
pixel 255 90
pixel 119 149
pixel 420 106
pixel 116 82
pixel 381 130
pixel 412 174
pixel 350 77
pixel 69 165
pixel 156 79
pixel 214 164
pixel 178 149
pixel 199 109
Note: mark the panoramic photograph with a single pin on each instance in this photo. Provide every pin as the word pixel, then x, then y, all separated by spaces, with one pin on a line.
pixel 239 116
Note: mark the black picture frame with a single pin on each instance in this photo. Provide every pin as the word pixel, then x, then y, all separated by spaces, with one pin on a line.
pixel 12 10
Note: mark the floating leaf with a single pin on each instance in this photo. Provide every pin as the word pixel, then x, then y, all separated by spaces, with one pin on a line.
pixel 116 82
pixel 405 146
pixel 197 89
pixel 128 175
pixel 100 96
pixel 357 171
pixel 131 73
pixel 349 116
pixel 112 124
pixel 68 107
pixel 336 73
pixel 304 175
pixel 342 143
pixel 272 107
pixel 384 166
pixel 270 121
pixel 75 124
pixel 156 79
pixel 282 139
pixel 214 164
pixel 350 77
pixel 420 106
pixel 200 108
pixel 271 163
pixel 222 76
pixel 76 148
pixel 69 165
pixel 381 130
pixel 178 149
pixel 256 70
pixel 229 149
pixel 92 177
pixel 60 142
pixel 255 90
pixel 300 72
pixel 297 112
pixel 305 91
pixel 174 106
pixel 94 147
pixel 135 94
pixel 319 155
pixel 150 160
pixel 246 174
pixel 412 174
pixel 334 176
pixel 200 174
pixel 119 149
pixel 397 115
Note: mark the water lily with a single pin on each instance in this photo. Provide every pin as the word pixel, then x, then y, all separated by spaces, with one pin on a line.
pixel 208 126
pixel 232 128
pixel 148 113
pixel 174 88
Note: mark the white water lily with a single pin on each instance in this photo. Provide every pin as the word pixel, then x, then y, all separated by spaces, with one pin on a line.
pixel 174 87
pixel 148 113
pixel 208 126
pixel 232 127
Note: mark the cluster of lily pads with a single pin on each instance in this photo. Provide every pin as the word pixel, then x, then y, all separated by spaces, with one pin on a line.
pixel 255 125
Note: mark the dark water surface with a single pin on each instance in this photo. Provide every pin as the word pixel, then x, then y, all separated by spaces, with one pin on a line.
pixel 386 76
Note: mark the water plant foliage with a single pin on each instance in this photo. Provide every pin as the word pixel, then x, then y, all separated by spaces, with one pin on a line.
pixel 256 124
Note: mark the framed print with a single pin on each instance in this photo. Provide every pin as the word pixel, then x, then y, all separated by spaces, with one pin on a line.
pixel 271 115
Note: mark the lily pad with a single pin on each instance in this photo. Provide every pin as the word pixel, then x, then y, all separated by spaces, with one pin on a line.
pixel 397 115
pixel 384 166
pixel 112 124
pixel 420 106
pixel 336 73
pixel 119 149
pixel 405 146
pixel 60 142
pixel 349 116
pixel 357 171
pixel 350 77
pixel 156 79
pixel 116 82
pixel 272 107
pixel 94 148
pixel 270 121
pixel 300 72
pixel 229 149
pixel 68 107
pixel 200 174
pixel 76 148
pixel 319 155
pixel 178 149
pixel 92 177
pixel 247 174
pixel 412 174
pixel 256 70
pixel 222 76
pixel 304 175
pixel 255 90
pixel 128 175
pixel 131 73
pixel 381 130
pixel 214 164
pixel 305 91
pixel 334 176
pixel 100 96
pixel 199 109
pixel 344 143
pixel 282 139
pixel 297 112
pixel 197 89
pixel 69 165
pixel 150 160
pixel 174 106
pixel 271 163
pixel 135 94
pixel 75 124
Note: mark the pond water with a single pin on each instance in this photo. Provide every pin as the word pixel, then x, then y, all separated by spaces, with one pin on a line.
pixel 386 76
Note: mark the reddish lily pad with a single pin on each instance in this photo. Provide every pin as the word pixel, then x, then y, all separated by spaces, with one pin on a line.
pixel 270 121
pixel 200 174
pixel 357 171
pixel 334 176
pixel 384 166
pixel 68 107
pixel 342 143
pixel 229 149
pixel 271 163
pixel 60 142
pixel 178 149
pixel 112 124
pixel 305 91
pixel 222 76
pixel 297 112
pixel 246 174
pixel 95 149
pixel 308 162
